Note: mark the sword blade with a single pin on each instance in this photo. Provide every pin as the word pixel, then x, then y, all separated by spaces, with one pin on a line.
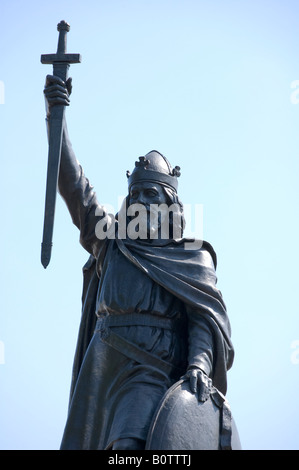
pixel 55 141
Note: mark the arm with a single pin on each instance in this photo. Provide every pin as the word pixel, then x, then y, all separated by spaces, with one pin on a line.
pixel 201 344
pixel 73 186
pixel 200 355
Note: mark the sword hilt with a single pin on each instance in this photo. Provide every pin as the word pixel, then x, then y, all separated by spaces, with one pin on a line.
pixel 63 27
pixel 61 57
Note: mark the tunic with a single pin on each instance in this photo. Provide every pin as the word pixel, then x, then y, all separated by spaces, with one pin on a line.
pixel 115 396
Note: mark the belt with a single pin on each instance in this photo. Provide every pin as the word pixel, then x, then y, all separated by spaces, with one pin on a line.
pixel 140 319
pixel 106 323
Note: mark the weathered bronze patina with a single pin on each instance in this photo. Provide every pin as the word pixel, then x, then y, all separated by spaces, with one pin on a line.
pixel 154 344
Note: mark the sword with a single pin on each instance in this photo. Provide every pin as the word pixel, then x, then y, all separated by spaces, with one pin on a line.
pixel 61 62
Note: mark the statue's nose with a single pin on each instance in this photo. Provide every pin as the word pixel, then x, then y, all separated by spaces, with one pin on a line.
pixel 141 198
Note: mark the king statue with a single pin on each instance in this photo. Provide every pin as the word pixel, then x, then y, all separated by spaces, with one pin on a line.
pixel 154 343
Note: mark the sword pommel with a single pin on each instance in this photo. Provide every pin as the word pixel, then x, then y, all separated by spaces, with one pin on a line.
pixel 63 25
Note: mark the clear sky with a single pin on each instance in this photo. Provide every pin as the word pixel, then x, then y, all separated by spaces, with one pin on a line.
pixel 210 84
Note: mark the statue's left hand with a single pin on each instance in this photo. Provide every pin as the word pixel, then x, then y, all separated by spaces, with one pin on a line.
pixel 199 382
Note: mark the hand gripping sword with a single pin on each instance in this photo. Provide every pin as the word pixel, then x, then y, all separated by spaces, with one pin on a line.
pixel 61 62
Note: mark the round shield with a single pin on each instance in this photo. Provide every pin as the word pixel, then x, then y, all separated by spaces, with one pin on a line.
pixel 184 423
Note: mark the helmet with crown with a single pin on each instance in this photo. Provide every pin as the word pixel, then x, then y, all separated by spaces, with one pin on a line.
pixel 154 167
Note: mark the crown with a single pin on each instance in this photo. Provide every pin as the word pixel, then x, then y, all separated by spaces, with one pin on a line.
pixel 156 168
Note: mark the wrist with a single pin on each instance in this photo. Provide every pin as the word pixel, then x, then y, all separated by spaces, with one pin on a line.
pixel 202 363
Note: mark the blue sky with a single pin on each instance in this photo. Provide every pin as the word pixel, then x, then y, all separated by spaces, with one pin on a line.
pixel 211 85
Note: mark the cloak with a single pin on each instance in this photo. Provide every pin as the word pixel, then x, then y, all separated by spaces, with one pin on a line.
pixel 189 274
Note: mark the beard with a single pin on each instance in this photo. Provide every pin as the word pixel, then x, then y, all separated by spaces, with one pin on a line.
pixel 148 222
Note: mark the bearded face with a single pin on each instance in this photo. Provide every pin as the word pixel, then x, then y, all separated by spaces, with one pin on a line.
pixel 152 212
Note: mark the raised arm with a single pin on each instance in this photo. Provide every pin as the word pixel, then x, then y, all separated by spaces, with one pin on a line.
pixel 73 186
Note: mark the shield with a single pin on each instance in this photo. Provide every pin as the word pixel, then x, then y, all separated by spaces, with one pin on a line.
pixel 182 422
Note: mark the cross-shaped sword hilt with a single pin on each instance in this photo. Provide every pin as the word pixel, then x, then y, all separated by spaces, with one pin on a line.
pixel 61 60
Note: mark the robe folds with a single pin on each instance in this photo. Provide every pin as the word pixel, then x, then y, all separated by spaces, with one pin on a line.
pixel 115 394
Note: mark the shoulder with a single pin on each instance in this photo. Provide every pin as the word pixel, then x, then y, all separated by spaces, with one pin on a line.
pixel 209 249
pixel 200 249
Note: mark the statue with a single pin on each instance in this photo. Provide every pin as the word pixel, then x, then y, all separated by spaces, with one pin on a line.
pixel 154 342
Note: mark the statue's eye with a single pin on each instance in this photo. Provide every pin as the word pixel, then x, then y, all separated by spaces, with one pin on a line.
pixel 151 192
pixel 134 194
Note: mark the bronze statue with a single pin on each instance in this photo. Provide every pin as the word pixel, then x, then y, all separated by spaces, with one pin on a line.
pixel 154 343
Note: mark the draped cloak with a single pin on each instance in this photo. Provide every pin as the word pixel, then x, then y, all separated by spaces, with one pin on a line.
pixel 188 273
